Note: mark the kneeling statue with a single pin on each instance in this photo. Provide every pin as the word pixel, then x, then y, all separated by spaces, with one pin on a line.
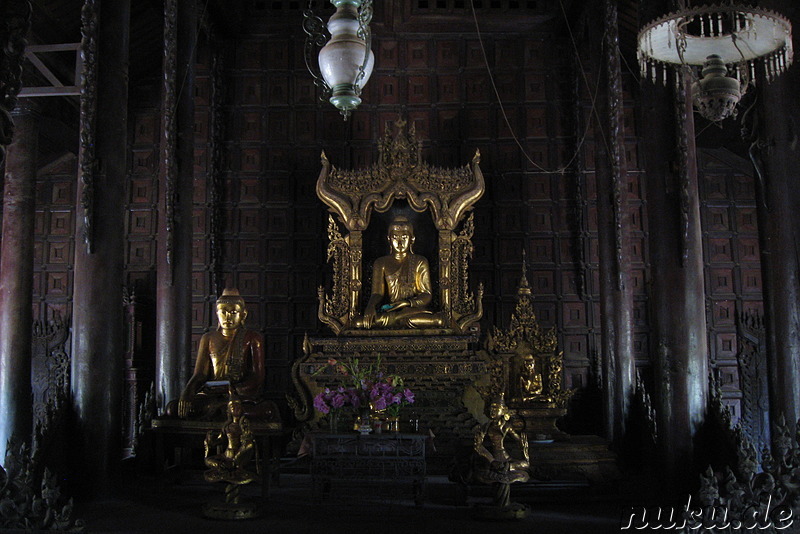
pixel 231 356
pixel 495 464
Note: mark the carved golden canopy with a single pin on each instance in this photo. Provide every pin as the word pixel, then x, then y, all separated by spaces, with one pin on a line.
pixel 400 173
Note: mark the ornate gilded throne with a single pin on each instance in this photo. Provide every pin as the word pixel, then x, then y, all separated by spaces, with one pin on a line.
pixel 446 194
pixel 526 368
pixel 439 363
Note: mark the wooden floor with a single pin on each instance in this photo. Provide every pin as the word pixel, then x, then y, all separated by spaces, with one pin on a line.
pixel 174 506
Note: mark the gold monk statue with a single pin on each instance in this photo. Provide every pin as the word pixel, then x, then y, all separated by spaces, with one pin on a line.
pixel 231 356
pixel 531 387
pixel 401 285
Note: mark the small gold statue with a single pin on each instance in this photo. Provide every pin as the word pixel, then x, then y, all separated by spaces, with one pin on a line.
pixel 496 466
pixel 232 463
pixel 231 356
pixel 531 387
pixel 240 447
pixel 403 278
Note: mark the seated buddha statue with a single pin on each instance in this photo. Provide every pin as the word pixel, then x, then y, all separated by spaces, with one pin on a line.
pixel 531 387
pixel 401 285
pixel 230 357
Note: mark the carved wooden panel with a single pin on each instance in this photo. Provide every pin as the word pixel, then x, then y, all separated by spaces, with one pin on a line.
pixel 417 54
pixel 386 56
pixel 59 252
pixel 721 281
pixel 448 54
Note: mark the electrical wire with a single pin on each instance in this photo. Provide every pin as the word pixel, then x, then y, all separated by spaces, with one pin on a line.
pixel 592 96
pixel 191 57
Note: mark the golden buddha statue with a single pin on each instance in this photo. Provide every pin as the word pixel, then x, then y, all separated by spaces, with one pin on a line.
pixel 231 356
pixel 231 465
pixel 403 279
pixel 531 386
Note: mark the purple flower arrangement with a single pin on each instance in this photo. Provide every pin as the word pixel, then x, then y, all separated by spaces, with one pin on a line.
pixel 371 388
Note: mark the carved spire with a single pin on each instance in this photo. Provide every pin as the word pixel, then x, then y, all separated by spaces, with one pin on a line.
pixel 524 287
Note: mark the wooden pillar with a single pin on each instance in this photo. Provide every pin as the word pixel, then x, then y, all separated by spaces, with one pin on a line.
pixel 16 279
pixel 174 299
pixel 616 293
pixel 678 320
pixel 98 350
pixel 776 155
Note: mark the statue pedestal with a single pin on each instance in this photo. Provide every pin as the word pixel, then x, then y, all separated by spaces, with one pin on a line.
pixel 228 511
pixel 540 422
pixel 437 369
pixel 489 512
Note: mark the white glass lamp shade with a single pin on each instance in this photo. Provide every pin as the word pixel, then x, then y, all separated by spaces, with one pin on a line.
pixel 340 60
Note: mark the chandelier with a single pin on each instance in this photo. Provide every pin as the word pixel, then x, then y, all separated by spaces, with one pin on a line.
pixel 723 39
pixel 345 60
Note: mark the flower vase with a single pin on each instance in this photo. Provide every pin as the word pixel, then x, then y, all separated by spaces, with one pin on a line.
pixel 392 424
pixel 333 421
pixel 365 421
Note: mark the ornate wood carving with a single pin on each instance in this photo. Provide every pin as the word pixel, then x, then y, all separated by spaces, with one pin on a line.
pixel 15 21
pixel 130 399
pixel 614 93
pixel 682 179
pixel 170 139
pixel 50 369
pixel 339 251
pixel 754 418
pixel 30 499
pixel 90 22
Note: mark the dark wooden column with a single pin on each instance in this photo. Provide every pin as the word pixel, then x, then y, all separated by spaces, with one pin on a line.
pixel 679 336
pixel 97 334
pixel 777 157
pixel 616 293
pixel 174 299
pixel 16 279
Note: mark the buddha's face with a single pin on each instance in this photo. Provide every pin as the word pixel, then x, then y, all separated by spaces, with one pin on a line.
pixel 400 238
pixel 231 315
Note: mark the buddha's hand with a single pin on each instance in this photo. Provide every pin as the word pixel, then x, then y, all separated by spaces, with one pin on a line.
pixel 368 320
pixel 395 306
pixel 184 407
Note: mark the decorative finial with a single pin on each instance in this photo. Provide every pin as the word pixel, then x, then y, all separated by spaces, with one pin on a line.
pixel 524 287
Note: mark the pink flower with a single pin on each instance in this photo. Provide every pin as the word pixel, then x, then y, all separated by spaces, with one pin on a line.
pixel 380 404
pixel 338 400
pixel 320 404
